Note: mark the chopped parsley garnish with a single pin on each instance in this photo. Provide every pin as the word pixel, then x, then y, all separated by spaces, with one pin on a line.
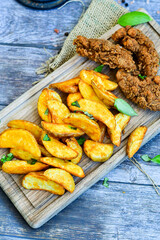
pixel 86 113
pixel 46 138
pixel 99 68
pixel 105 182
pixel 76 104
pixel 7 157
pixel 142 77
pixel 74 128
pixel 81 140
pixel 32 161
pixel 46 112
pixel 89 115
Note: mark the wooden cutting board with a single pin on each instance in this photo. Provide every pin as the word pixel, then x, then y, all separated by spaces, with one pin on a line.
pixel 37 207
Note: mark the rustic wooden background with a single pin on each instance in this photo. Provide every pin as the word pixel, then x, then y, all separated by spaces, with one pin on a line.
pixel 129 208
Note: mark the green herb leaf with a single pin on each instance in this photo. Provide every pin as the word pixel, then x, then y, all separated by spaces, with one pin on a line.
pixel 105 182
pixel 74 128
pixel 89 115
pixel 146 158
pixel 81 140
pixel 156 159
pixel 123 107
pixel 6 158
pixel 134 18
pixel 142 77
pixel 99 68
pixel 46 138
pixel 32 161
pixel 46 112
pixel 76 103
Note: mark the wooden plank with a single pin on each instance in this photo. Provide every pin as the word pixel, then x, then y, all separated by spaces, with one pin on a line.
pixel 28 110
pixel 32 27
pixel 18 66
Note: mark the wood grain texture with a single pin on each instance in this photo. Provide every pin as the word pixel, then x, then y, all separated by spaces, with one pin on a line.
pixel 73 223
pixel 37 213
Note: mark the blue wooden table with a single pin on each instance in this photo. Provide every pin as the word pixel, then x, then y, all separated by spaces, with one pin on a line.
pixel 129 208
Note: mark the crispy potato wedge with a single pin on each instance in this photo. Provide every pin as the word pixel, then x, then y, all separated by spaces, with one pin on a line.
pixel 69 86
pixel 72 97
pixel 46 95
pixel 65 165
pixel 88 75
pixel 107 97
pixel 61 177
pixel 98 152
pixel 22 167
pixel 62 130
pixel 22 155
pixel 87 92
pixel 58 149
pixel 44 151
pixel 98 111
pixel 121 122
pixel 29 126
pixel 103 128
pixel 21 139
pixel 37 181
pixel 135 140
pixel 58 111
pixel 72 143
pixel 87 125
pixel 104 83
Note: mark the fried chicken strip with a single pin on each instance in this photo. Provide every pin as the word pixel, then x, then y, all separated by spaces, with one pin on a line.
pixel 105 52
pixel 135 41
pixel 144 92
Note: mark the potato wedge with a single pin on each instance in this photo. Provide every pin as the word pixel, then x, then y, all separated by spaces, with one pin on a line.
pixel 72 143
pixel 22 167
pixel 107 97
pixel 46 95
pixel 135 140
pixel 72 97
pixel 61 177
pixel 87 92
pixel 29 126
pixel 44 151
pixel 58 111
pixel 98 111
pixel 87 125
pixel 37 181
pixel 103 128
pixel 103 83
pixel 121 122
pixel 69 86
pixel 20 138
pixel 98 152
pixel 65 165
pixel 62 130
pixel 22 155
pixel 58 149
pixel 88 75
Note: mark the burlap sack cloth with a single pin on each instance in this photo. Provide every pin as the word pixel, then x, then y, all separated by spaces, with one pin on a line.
pixel 100 16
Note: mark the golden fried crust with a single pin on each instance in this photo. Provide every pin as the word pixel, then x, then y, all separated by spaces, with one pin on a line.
pixel 105 52
pixel 136 42
pixel 145 92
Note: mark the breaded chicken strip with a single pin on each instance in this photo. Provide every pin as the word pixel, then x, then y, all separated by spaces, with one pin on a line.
pixel 135 41
pixel 105 52
pixel 145 92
